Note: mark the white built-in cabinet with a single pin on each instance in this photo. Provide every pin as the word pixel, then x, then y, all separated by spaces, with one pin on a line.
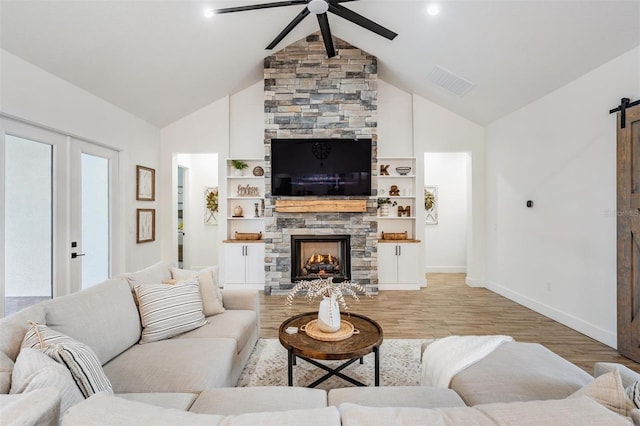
pixel 245 265
pixel 244 259
pixel 399 265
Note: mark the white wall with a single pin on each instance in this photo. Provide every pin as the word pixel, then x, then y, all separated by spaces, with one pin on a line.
pixel 559 257
pixel 201 241
pixel 446 242
pixel 437 129
pixel 395 122
pixel 33 95
pixel 246 122
pixel 205 131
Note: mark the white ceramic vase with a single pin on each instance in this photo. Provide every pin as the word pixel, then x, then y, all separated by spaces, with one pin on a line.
pixel 329 315
pixel 384 210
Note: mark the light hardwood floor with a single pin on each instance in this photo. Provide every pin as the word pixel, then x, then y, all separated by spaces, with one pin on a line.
pixel 449 307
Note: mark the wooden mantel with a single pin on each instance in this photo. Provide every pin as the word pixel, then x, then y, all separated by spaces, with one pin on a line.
pixel 321 206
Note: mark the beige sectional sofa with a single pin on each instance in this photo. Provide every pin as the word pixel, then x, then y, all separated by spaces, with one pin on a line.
pixel 188 379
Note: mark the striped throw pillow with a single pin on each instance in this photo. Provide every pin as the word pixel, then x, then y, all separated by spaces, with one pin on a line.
pixel 633 392
pixel 80 360
pixel 168 310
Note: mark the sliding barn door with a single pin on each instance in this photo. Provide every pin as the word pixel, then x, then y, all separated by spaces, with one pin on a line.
pixel 629 234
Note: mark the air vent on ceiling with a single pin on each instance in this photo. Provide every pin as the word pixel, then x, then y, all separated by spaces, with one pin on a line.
pixel 448 80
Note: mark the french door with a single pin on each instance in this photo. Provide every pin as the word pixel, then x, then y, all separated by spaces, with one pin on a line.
pixel 58 223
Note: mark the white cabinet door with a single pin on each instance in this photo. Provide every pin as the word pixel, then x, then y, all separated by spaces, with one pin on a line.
pixel 407 261
pixel 255 263
pixel 387 263
pixel 235 263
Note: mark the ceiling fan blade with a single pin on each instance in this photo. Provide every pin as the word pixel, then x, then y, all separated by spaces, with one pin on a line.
pixel 323 20
pixel 357 19
pixel 288 28
pixel 259 6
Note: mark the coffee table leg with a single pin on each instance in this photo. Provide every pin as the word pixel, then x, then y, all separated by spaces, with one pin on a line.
pixel 361 360
pixel 290 361
pixel 376 354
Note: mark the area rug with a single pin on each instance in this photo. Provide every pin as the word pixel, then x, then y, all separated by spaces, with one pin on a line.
pixel 399 366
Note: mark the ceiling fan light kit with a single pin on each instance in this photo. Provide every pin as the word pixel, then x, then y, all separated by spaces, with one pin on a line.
pixel 320 9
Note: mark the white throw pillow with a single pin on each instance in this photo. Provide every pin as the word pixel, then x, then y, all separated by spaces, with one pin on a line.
pixel 35 370
pixel 169 310
pixel 78 358
pixel 210 292
pixel 607 390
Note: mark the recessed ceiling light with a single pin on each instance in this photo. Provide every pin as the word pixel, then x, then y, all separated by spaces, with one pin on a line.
pixel 209 12
pixel 433 9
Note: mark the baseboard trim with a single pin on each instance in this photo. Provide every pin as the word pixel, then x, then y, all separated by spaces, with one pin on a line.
pixel 588 329
pixel 445 269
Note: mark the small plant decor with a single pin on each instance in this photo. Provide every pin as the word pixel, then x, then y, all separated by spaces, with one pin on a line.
pixel 239 164
pixel 386 201
pixel 325 287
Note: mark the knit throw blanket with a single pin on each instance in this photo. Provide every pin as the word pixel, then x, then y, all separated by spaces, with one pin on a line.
pixel 446 357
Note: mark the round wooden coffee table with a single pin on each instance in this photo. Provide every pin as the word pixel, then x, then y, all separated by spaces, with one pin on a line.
pixel 300 345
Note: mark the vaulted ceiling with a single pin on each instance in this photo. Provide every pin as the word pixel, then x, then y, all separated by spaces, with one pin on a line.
pixel 161 60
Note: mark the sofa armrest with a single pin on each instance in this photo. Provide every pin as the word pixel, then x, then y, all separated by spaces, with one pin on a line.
pixel 241 299
pixel 627 375
pixel 38 407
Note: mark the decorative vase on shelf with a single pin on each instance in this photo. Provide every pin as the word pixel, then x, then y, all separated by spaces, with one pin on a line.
pixel 384 210
pixel 237 211
pixel 329 314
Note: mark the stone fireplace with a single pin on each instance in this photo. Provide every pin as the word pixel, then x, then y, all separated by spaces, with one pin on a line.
pixel 308 95
pixel 320 256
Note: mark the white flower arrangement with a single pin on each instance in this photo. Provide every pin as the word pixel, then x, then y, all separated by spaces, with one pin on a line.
pixel 325 287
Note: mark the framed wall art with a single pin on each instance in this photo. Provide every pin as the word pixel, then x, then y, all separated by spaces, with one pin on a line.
pixel 145 225
pixel 145 184
pixel 431 205
pixel 211 205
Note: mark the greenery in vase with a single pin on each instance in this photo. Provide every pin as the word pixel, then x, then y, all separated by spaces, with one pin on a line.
pixel 325 287
pixel 386 201
pixel 239 164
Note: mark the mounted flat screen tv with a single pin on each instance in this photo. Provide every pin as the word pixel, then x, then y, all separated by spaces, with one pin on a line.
pixel 320 167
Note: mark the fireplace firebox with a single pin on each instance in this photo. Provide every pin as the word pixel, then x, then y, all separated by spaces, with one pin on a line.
pixel 320 256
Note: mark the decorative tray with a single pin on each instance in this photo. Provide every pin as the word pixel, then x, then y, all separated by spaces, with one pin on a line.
pixel 248 235
pixel 346 330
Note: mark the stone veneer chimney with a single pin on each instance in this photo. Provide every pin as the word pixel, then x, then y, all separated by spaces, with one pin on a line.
pixel 308 95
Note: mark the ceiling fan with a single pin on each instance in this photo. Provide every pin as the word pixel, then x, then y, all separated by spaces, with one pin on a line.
pixel 319 8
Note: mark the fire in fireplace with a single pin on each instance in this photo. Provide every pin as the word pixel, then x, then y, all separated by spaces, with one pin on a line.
pixel 322 256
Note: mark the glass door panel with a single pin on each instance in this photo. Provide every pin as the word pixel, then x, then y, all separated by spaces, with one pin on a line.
pixel 95 219
pixel 28 222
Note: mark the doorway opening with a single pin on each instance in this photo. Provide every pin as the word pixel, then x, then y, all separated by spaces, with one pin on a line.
pixel 447 189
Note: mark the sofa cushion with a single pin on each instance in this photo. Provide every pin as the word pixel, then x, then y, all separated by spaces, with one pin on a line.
pixel 101 409
pixel 209 289
pixel 154 274
pixel 237 325
pixel 607 391
pixel 39 336
pixel 230 401
pixel 328 416
pixel 396 396
pixel 174 365
pixel 6 367
pixel 93 315
pixel 40 407
pixel 14 327
pixel 519 371
pixel 577 411
pixel 35 370
pixel 169 310
pixel 180 401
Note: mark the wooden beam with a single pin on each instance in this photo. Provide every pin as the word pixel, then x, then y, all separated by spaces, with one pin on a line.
pixel 321 206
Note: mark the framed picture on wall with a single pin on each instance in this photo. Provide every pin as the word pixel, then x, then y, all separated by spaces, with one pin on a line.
pixel 145 225
pixel 431 205
pixel 145 184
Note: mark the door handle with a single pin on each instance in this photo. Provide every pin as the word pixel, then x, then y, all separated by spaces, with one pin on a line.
pixel 74 255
